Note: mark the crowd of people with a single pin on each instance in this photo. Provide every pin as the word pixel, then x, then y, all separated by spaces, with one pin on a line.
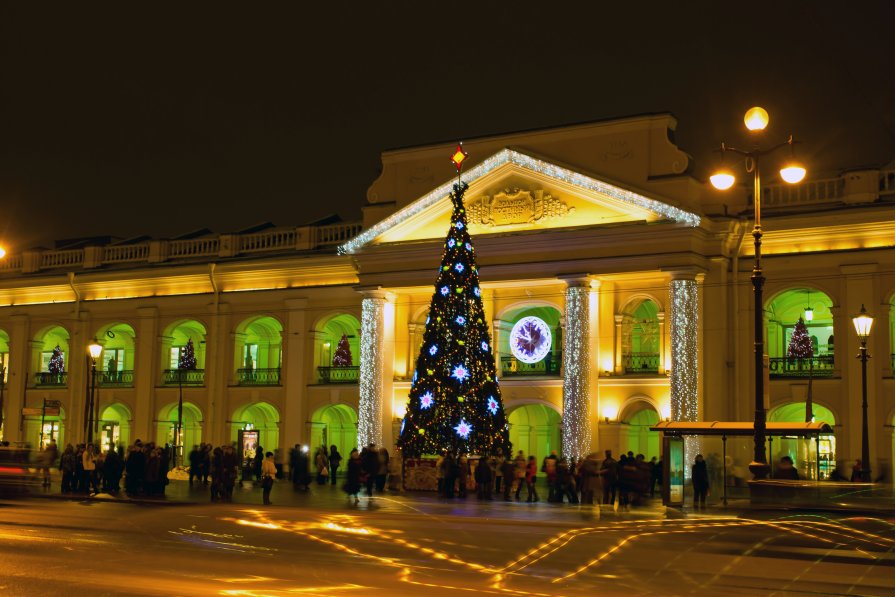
pixel 630 479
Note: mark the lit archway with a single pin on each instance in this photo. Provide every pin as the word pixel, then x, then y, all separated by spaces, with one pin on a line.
pixel 635 435
pixel 782 313
pixel 115 426
pixel 116 364
pixel 337 364
pixel 535 429
pixel 334 424
pixel 4 354
pixel 174 341
pixel 257 351
pixel 262 417
pixel 641 338
pixel 812 458
pixel 192 425
pixel 40 430
pixel 51 345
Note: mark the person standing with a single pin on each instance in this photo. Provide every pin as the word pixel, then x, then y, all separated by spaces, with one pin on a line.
pixel 352 478
pixel 498 469
pixel 787 470
pixel 370 463
pixel 700 478
pixel 195 464
pixel 462 475
pixel 382 471
pixel 450 474
pixel 217 471
pixel 335 459
pixel 268 474
pixel 439 472
pixel 531 477
pixel 484 478
pixel 135 467
pixel 609 477
pixel 88 464
pixel 321 465
pixel 519 473
pixel 67 466
pixel 508 469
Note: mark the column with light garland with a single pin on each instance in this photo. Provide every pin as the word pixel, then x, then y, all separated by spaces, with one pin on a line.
pixel 372 336
pixel 576 404
pixel 684 351
pixel 454 402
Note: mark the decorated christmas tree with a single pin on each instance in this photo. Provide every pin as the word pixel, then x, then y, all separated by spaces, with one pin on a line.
pixel 57 362
pixel 454 402
pixel 342 358
pixel 187 358
pixel 801 347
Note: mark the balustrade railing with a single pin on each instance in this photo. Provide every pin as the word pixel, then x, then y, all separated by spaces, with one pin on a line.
pixel 115 379
pixel 642 363
pixel 338 374
pixel 126 253
pixel 61 258
pixel 258 377
pixel 818 366
pixel 45 379
pixel 186 377
pixel 549 366
pixel 336 234
pixel 275 240
pixel 198 247
pixel 808 192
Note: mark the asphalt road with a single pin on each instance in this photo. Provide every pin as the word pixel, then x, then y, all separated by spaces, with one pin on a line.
pixel 415 546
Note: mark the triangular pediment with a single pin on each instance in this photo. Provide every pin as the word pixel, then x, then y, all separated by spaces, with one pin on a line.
pixel 511 192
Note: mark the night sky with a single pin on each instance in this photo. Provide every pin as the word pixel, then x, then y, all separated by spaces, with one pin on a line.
pixel 122 121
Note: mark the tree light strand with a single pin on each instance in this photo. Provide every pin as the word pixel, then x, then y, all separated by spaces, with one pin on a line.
pixel 576 376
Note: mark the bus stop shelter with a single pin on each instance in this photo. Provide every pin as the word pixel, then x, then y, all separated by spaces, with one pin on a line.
pixel 674 446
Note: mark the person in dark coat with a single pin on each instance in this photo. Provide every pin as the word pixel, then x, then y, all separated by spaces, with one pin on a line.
pixel 484 477
pixel 451 470
pixel 609 477
pixel 509 470
pixel 217 472
pixel 195 464
pixel 67 466
pixel 700 478
pixel 258 463
pixel 787 470
pixel 151 477
pixel 335 459
pixel 352 478
pixel 230 463
pixel 135 468
pixel 112 472
pixel 370 463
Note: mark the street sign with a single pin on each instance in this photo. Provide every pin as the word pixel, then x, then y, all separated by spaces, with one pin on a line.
pixel 52 408
pixel 28 412
pixel 53 403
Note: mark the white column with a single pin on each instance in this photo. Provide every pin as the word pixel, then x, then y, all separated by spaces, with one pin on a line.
pixel 576 425
pixel 376 367
pixel 684 348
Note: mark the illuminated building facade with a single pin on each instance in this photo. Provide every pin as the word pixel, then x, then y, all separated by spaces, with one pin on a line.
pixel 639 271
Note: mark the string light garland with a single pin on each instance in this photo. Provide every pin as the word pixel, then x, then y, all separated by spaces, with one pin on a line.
pixel 684 363
pixel 509 156
pixel 454 402
pixel 576 375
pixel 369 416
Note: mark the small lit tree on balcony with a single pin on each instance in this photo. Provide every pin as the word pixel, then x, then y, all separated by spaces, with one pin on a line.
pixel 56 366
pixel 342 358
pixel 801 347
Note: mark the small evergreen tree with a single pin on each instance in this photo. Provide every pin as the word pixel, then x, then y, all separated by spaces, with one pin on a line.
pixel 342 358
pixel 187 357
pixel 57 362
pixel 801 347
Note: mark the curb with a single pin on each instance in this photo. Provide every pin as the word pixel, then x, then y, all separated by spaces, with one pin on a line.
pixel 109 500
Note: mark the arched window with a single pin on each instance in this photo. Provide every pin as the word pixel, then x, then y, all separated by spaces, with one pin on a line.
pixel 640 340
pixel 178 340
pixel 115 366
pixel 51 357
pixel 782 315
pixel 258 351
pixel 337 349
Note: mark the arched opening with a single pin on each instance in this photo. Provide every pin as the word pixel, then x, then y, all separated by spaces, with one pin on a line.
pixel 641 341
pixel 116 364
pixel 192 425
pixel 337 349
pixel 531 346
pixel 175 344
pixel 782 314
pixel 115 426
pixel 257 351
pixel 814 458
pixel 535 429
pixel 261 417
pixel 50 356
pixel 634 433
pixel 334 424
pixel 39 431
pixel 4 356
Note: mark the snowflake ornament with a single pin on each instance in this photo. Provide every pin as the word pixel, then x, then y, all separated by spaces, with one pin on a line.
pixel 492 405
pixel 433 350
pixel 477 291
pixel 460 320
pixel 459 267
pixel 485 346
pixel 463 429
pixel 426 400
pixel 460 373
pixel 468 247
pixel 451 243
pixel 459 225
pixel 445 291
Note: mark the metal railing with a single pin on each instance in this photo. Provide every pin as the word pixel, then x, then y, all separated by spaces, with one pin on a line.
pixel 258 377
pixel 115 379
pixel 45 379
pixel 187 377
pixel 126 253
pixel 199 247
pixel 641 363
pixel 336 234
pixel 338 374
pixel 69 257
pixel 808 192
pixel 549 366
pixel 818 366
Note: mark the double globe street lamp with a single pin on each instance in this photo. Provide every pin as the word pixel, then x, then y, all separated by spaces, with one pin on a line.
pixel 92 410
pixel 792 172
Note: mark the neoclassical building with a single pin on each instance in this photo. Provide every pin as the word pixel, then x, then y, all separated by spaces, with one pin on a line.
pixel 639 271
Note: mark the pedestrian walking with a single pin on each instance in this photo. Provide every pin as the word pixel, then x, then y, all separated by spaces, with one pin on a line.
pixel 451 470
pixel 519 473
pixel 335 459
pixel 370 463
pixel 67 466
pixel 88 465
pixel 321 465
pixel 508 469
pixel 609 477
pixel 531 477
pixel 498 469
pixel 484 477
pixel 268 474
pixel 382 471
pixel 353 476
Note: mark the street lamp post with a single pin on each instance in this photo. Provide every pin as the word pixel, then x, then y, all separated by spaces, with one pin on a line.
pixel 93 404
pixel 756 120
pixel 863 322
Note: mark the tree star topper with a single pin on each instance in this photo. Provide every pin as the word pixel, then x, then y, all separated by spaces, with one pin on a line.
pixel 459 157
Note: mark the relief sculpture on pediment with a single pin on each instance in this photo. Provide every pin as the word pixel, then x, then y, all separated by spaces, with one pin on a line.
pixel 515 206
